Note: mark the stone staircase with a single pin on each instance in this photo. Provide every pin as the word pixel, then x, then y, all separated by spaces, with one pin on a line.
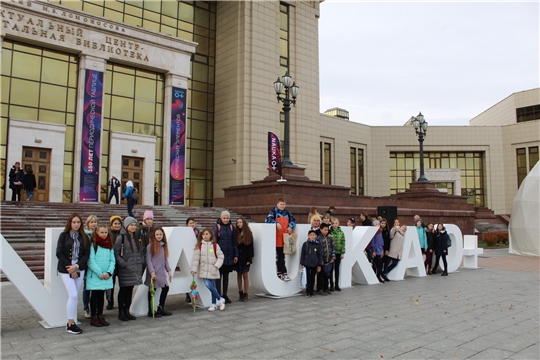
pixel 486 221
pixel 23 226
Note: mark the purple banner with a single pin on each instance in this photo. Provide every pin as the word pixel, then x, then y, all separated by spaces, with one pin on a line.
pixel 274 153
pixel 91 136
pixel 178 147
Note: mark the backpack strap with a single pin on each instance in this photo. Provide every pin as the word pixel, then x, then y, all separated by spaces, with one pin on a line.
pixel 218 230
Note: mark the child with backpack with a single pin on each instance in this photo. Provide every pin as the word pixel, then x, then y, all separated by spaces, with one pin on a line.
pixel 99 276
pixel 209 256
pixel 159 270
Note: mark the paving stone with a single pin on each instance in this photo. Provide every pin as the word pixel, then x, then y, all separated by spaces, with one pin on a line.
pixel 492 354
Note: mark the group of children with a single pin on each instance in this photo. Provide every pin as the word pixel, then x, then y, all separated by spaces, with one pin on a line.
pixel 94 256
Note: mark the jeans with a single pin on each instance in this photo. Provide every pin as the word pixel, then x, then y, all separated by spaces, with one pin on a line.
pixel 211 285
pixel 85 297
pixel 111 194
pixel 337 263
pixel 311 273
pixel 130 205
pixel 392 265
pixel 72 286
pixel 29 195
pixel 281 269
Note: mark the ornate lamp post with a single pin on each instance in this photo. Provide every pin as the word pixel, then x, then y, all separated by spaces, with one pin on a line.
pixel 420 127
pixel 291 89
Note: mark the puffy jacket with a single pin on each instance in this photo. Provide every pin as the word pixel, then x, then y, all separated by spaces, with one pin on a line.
pixel 226 238
pixel 442 242
pixel 396 245
pixel 311 255
pixel 283 217
pixel 128 260
pixel 157 264
pixel 206 261
pixel 386 238
pixel 327 247
pixel 64 250
pixel 102 260
pixel 422 236
pixel 339 240
pixel 431 240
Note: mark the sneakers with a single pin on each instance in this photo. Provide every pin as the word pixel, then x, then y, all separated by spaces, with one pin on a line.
pixel 212 307
pixel 285 277
pixel 73 329
pixel 221 304
pixel 87 314
pixel 327 292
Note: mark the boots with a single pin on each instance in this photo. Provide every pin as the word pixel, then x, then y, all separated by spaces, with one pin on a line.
pixel 445 273
pixel 110 305
pixel 128 315
pixel 245 297
pixel 241 294
pixel 121 313
pixel 95 321
pixel 101 319
pixel 162 312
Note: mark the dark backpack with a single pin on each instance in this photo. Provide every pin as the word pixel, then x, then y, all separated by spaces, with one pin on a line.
pixel 135 194
pixel 448 241
pixel 215 248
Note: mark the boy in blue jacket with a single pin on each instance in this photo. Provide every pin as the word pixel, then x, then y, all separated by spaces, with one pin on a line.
pixel 311 259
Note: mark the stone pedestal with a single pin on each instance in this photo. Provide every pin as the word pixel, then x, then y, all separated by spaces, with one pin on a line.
pixel 257 199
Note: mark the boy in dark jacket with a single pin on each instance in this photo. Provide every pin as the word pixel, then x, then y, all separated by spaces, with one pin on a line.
pixel 328 251
pixel 311 259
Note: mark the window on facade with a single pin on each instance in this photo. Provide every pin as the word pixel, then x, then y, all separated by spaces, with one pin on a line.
pixel 521 164
pixel 326 163
pixel 528 113
pixel 357 170
pixel 283 38
pixel 39 84
pixel 533 156
pixel 188 20
pixel 403 167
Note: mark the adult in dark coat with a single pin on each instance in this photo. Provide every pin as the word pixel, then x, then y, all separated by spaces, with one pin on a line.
pixel 114 184
pixel 29 184
pixel 442 248
pixel 225 235
pixel 16 182
pixel 127 251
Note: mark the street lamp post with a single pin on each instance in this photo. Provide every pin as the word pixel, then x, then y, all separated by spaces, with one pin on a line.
pixel 286 83
pixel 420 127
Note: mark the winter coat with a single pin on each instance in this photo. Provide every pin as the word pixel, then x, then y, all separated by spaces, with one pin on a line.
pixel 144 233
pixel 311 255
pixel 377 243
pixel 327 248
pixel 396 245
pixel 283 217
pixel 206 261
pixel 422 236
pixel 29 181
pixel 128 260
pixel 101 261
pixel 159 265
pixel 442 242
pixel 16 177
pixel 226 241
pixel 386 238
pixel 114 235
pixel 64 250
pixel 339 240
pixel 128 192
pixel 431 240
pixel 245 252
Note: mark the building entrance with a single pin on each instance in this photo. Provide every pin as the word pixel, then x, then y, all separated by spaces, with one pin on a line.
pixel 39 160
pixel 132 169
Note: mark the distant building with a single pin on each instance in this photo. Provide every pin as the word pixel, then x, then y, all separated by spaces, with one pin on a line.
pixel 141 66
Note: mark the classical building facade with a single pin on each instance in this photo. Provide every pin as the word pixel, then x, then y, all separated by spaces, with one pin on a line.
pixel 177 96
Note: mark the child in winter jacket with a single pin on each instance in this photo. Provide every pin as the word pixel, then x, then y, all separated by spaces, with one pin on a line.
pixel 100 270
pixel 311 259
pixel 339 243
pixel 208 258
pixel 159 270
pixel 326 243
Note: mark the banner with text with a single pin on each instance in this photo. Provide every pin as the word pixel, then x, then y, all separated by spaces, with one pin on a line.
pixel 274 153
pixel 178 147
pixel 91 136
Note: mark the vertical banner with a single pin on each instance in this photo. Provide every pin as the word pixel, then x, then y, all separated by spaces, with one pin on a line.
pixel 274 153
pixel 91 136
pixel 178 147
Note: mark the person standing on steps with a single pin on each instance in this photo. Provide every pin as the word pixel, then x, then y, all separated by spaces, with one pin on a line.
pixel 16 180
pixel 128 195
pixel 114 184
pixel 29 184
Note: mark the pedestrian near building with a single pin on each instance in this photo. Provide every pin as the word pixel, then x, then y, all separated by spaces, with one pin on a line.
pixel 29 184
pixel 114 185
pixel 16 180
pixel 128 195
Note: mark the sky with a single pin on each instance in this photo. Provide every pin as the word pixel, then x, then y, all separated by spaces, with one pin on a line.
pixel 385 62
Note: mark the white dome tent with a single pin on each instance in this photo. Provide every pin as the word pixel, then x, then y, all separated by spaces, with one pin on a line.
pixel 524 228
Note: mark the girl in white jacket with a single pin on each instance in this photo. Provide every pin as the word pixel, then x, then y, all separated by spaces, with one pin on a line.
pixel 209 257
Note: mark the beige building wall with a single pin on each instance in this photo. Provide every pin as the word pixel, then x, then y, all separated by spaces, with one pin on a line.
pixel 247 64
pixel 504 112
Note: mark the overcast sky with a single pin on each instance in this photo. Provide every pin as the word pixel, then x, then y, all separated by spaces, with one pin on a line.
pixel 384 62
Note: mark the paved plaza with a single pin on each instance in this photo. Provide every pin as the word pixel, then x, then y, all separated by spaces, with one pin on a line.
pixel 491 313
